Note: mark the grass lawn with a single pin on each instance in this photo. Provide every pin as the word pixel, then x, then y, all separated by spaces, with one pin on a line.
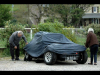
pixel 2 43
pixel 81 39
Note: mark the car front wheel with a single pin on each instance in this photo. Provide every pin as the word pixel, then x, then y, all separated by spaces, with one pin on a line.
pixel 50 58
pixel 27 57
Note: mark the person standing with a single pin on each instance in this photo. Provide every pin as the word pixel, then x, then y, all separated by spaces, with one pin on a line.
pixel 92 43
pixel 14 43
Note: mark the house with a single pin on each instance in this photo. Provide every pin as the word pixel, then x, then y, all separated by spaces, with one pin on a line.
pixel 91 16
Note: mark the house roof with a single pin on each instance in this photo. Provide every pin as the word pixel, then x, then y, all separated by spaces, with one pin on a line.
pixel 91 15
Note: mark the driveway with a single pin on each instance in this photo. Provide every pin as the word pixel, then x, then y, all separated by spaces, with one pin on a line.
pixel 7 65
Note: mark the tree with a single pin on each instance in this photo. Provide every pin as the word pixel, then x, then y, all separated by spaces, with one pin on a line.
pixel 37 11
pixel 60 12
pixel 5 14
pixel 21 13
pixel 77 11
pixel 70 14
pixel 63 11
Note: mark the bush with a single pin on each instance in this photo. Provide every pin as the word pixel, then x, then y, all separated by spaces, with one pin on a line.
pixel 50 27
pixel 96 28
pixel 9 29
pixel 56 27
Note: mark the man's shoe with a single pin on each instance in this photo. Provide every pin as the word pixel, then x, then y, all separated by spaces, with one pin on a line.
pixel 95 64
pixel 17 59
pixel 12 59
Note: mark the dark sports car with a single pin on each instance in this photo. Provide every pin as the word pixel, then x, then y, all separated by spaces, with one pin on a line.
pixel 54 46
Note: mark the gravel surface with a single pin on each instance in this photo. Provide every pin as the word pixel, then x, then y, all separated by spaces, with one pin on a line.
pixel 7 65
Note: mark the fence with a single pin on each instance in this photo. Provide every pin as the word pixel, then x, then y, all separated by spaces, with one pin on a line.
pixel 74 30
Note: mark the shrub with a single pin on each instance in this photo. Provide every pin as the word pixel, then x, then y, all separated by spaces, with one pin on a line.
pixel 56 27
pixel 81 31
pixel 9 29
pixel 96 28
pixel 50 27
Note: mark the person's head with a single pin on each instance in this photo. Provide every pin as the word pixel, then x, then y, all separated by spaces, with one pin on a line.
pixel 20 33
pixel 90 30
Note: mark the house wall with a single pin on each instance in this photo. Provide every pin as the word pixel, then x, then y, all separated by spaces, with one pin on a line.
pixel 90 8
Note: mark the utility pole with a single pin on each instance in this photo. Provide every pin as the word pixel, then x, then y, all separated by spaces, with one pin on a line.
pixel 28 23
pixel 12 9
pixel 28 13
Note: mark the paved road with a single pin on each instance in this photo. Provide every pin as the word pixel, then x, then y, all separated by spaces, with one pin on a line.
pixel 8 65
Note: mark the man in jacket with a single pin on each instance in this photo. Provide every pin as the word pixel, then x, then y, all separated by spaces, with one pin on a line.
pixel 14 43
pixel 92 43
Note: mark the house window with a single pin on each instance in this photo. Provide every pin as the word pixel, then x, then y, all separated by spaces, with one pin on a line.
pixel 95 9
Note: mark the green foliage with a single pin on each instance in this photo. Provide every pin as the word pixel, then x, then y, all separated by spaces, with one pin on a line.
pixel 2 43
pixel 69 35
pixel 20 12
pixel 51 27
pixel 69 14
pixel 81 31
pixel 14 21
pixel 6 52
pixel 96 28
pixel 9 29
pixel 56 27
pixel 62 10
pixel 5 14
pixel 76 14
pixel 49 19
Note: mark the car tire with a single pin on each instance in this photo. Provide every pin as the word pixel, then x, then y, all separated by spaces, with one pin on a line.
pixel 27 57
pixel 50 58
pixel 83 58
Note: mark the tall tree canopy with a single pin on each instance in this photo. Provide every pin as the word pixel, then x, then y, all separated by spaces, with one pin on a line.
pixel 5 14
pixel 71 14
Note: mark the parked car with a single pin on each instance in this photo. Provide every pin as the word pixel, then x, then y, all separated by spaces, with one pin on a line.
pixel 54 46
